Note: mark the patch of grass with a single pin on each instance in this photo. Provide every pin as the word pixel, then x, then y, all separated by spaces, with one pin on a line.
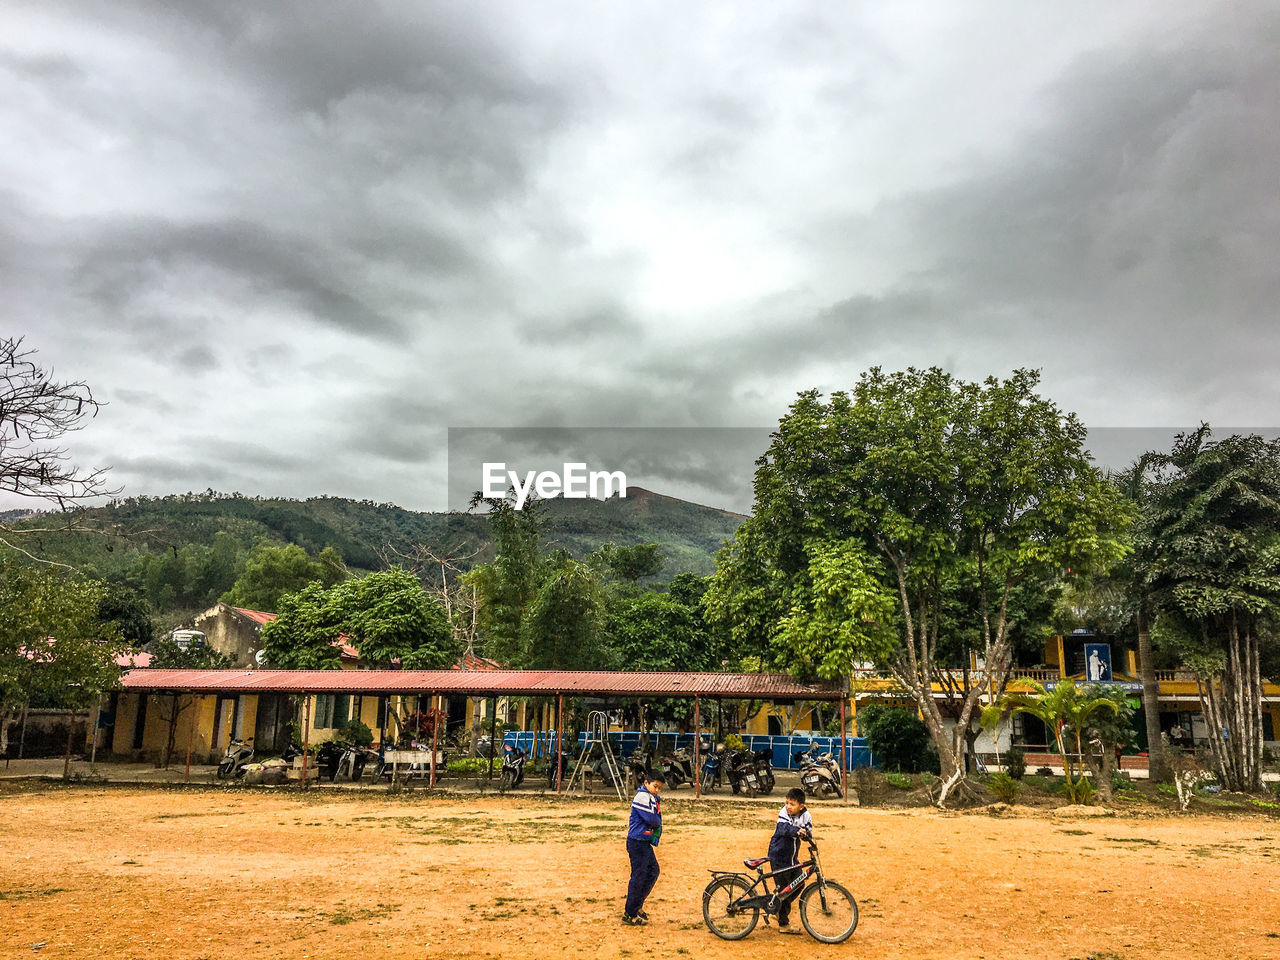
pixel 900 781
pixel 343 914
pixel 1076 833
pixel 32 894
pixel 1153 843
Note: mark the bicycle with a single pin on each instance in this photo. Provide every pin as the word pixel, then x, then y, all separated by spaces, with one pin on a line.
pixel 731 910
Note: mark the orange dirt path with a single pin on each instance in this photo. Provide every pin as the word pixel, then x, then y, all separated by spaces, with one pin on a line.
pixel 145 872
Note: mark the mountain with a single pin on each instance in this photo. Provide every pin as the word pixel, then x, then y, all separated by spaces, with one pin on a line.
pixel 362 531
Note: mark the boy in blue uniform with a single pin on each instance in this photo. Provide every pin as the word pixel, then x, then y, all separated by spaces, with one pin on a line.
pixel 643 833
pixel 794 824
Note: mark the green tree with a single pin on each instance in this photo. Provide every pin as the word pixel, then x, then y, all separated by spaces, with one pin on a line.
pixel 1069 711
pixel 560 630
pixel 654 631
pixel 54 646
pixel 387 616
pixel 1213 570
pixel 301 636
pixel 506 588
pixel 393 618
pixel 274 569
pixel 628 563
pixel 130 613
pixel 932 478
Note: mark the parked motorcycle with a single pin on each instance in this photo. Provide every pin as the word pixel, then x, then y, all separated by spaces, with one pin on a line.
pixel 819 772
pixel 239 754
pixel 711 768
pixel 751 771
pixel 678 767
pixel 638 766
pixel 328 758
pixel 513 759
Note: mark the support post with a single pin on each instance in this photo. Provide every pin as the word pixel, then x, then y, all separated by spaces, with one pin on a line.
pixel 493 734
pixel 697 738
pixel 435 730
pixel 306 734
pixel 844 753
pixel 559 740
pixel 191 732
pixel 22 738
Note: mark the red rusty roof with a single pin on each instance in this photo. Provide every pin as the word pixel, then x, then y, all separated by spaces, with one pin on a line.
pixel 481 683
pixel 473 661
pixel 257 616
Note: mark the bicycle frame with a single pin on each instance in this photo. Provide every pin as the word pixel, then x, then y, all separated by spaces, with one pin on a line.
pixel 768 902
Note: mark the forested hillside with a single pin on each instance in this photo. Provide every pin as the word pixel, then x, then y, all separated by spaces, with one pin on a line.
pixel 184 551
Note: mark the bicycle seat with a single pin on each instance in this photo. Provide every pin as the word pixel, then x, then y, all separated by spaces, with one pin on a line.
pixel 755 862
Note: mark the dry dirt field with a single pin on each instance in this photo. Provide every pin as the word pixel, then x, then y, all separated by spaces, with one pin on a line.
pixel 156 872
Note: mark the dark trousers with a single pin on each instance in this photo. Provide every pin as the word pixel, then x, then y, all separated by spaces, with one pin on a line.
pixel 784 880
pixel 644 874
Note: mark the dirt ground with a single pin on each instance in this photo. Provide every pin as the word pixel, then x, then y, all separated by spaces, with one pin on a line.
pixel 188 873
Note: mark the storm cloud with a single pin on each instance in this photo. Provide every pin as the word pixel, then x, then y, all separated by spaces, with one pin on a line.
pixel 293 245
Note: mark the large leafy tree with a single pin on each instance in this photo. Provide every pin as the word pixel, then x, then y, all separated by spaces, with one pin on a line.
pixel 387 616
pixel 505 588
pixel 1214 571
pixel 54 645
pixel 561 629
pixel 274 569
pixel 929 482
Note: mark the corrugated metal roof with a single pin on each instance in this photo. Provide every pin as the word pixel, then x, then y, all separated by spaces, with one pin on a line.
pixel 257 616
pixel 481 683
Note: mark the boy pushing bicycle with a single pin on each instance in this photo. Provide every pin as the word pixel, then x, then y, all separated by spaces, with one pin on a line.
pixel 794 824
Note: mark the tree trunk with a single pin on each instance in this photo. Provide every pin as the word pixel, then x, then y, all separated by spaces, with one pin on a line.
pixel 1157 761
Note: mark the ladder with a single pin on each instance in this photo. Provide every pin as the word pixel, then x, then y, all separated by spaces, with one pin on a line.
pixel 598 733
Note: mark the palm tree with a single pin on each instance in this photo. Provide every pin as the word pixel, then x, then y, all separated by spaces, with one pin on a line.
pixel 1067 710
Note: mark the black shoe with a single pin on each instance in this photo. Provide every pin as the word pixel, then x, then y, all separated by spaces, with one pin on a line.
pixel 634 921
pixel 643 916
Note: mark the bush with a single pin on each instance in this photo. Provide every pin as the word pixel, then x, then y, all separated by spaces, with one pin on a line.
pixel 357 732
pixel 1004 787
pixel 1121 781
pixel 734 742
pixel 898 739
pixel 899 780
pixel 1044 771
pixel 1015 763
pixel 468 766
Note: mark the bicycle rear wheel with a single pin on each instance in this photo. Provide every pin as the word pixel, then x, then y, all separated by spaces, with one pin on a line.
pixel 834 921
pixel 722 918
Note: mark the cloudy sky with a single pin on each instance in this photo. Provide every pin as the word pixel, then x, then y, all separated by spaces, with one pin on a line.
pixel 291 244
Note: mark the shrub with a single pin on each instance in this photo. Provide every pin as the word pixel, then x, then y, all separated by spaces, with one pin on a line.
pixel 468 766
pixel 1044 771
pixel 898 739
pixel 899 780
pixel 734 742
pixel 1004 787
pixel 1015 763
pixel 357 732
pixel 1121 781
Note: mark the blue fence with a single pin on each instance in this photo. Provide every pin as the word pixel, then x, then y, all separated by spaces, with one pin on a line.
pixel 625 742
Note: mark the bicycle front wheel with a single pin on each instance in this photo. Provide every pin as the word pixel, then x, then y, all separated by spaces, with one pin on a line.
pixel 722 918
pixel 832 921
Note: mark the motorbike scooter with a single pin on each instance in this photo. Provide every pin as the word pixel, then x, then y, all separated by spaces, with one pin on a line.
pixel 239 753
pixel 513 759
pixel 819 773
